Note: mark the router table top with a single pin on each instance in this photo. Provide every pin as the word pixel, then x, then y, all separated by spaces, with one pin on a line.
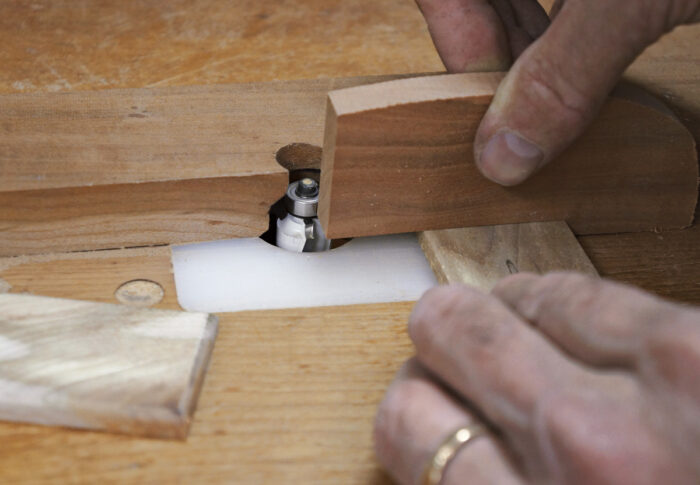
pixel 290 395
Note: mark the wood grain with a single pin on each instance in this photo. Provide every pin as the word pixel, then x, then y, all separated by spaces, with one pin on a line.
pixel 398 157
pixel 481 256
pixel 100 366
pixel 86 44
pixel 666 263
pixel 93 276
pixel 133 136
pixel 72 45
pixel 669 70
pixel 121 168
pixel 289 394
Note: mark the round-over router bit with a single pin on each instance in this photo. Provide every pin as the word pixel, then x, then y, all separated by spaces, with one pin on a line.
pixel 300 230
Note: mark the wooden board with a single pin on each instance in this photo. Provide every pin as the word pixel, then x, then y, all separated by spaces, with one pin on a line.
pixel 481 256
pixel 241 434
pixel 136 167
pixel 99 366
pixel 80 45
pixel 154 166
pixel 398 157
pixel 667 263
pixel 669 70
pixel 289 394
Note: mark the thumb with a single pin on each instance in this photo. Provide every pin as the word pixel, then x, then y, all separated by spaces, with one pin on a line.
pixel 559 83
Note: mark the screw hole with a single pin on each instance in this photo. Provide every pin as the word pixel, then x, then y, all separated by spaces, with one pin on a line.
pixel 140 293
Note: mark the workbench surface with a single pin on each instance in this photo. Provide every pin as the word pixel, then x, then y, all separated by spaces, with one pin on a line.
pixel 290 395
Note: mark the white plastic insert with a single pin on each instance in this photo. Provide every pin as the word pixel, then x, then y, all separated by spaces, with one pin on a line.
pixel 250 274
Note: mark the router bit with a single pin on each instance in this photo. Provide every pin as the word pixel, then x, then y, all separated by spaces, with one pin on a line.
pixel 300 230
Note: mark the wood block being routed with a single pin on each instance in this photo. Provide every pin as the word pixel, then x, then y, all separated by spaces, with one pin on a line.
pixel 398 157
pixel 101 366
pixel 481 256
pixel 139 167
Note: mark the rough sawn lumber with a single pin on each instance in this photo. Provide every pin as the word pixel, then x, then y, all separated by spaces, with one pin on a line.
pixel 101 366
pixel 398 157
pixel 482 256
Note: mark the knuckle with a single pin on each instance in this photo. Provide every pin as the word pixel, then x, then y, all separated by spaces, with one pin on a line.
pixel 575 290
pixel 455 316
pixel 553 94
pixel 570 280
pixel 661 17
pixel 438 307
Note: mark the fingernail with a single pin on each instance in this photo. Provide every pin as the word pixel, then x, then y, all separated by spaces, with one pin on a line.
pixel 509 159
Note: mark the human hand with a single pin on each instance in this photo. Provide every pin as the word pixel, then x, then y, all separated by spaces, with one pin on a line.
pixel 566 70
pixel 580 381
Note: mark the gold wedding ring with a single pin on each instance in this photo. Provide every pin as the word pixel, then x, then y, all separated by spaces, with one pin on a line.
pixel 448 450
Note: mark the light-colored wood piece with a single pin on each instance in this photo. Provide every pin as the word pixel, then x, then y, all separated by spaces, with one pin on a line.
pixel 136 167
pixel 290 396
pixel 99 366
pixel 482 256
pixel 398 157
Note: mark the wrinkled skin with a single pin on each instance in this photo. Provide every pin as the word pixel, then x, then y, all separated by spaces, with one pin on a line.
pixel 561 74
pixel 581 381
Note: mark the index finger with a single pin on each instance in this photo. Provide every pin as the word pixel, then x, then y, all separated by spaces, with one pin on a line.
pixel 468 34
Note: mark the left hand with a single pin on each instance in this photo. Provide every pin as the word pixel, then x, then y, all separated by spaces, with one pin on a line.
pixel 561 74
pixel 580 381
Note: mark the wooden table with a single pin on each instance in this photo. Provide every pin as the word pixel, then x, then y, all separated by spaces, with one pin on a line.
pixel 290 395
